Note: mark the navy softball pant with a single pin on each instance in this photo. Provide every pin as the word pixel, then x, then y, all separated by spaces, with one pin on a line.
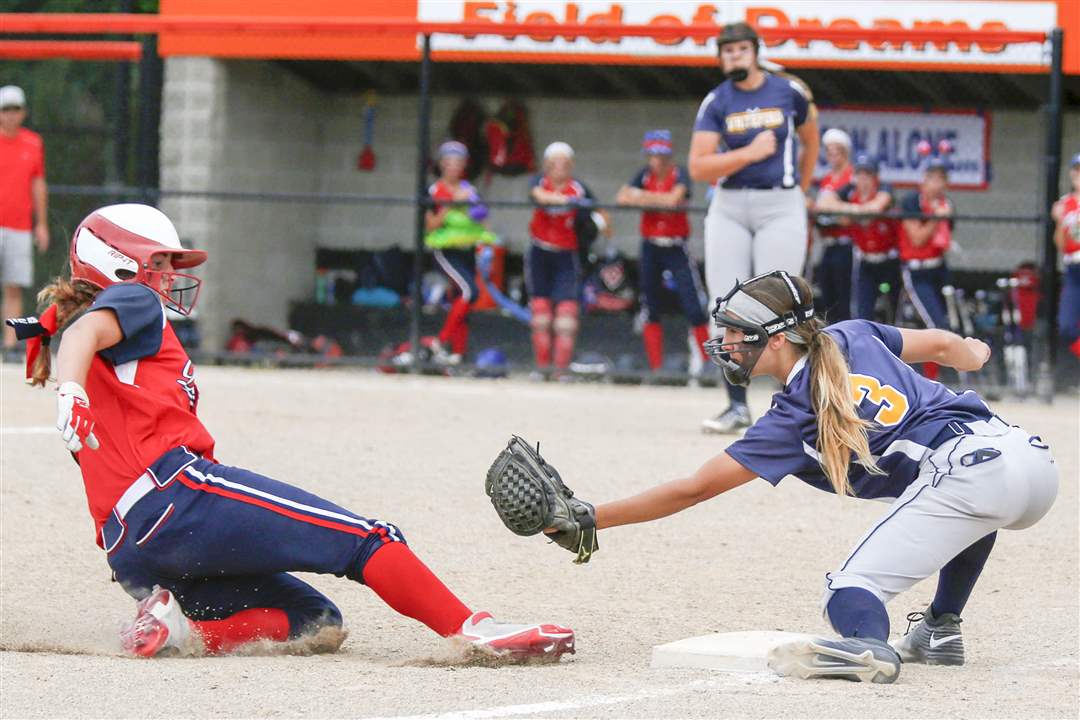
pixel 552 274
pixel 655 259
pixel 869 277
pixel 834 280
pixel 924 288
pixel 223 539
pixel 1069 307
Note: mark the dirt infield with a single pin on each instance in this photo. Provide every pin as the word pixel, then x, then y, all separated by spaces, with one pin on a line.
pixel 413 451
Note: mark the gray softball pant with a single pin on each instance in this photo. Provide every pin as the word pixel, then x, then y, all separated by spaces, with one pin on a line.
pixel 999 477
pixel 749 232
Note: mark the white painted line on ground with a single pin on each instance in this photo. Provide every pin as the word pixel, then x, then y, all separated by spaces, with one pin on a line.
pixel 551 707
pixel 28 430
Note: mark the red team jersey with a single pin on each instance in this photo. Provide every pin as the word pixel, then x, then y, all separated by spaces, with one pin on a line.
pixel 22 159
pixel 941 238
pixel 552 225
pixel 835 182
pixel 663 224
pixel 143 395
pixel 876 236
pixel 1071 222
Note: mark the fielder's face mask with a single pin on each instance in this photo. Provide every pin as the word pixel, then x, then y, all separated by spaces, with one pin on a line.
pixel 738 310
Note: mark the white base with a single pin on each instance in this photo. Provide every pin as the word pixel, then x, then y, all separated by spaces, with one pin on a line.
pixel 731 652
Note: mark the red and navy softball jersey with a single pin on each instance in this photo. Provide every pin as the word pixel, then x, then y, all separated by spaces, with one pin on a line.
pixel 875 236
pixel 911 416
pixel 939 242
pixel 143 395
pixel 553 225
pixel 657 223
pixel 1071 222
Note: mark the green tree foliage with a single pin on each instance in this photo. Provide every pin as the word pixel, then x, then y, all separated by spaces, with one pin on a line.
pixel 76 107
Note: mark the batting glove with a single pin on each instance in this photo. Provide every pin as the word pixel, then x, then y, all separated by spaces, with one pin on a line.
pixel 74 419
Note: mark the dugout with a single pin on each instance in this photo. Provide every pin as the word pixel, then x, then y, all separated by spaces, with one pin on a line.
pixel 259 133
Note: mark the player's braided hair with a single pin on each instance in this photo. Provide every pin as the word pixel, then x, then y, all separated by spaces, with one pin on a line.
pixel 841 432
pixel 70 298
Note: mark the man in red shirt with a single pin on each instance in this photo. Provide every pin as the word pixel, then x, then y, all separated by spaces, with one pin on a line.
pixel 23 203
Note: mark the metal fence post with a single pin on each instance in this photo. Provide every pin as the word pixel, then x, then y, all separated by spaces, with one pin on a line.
pixel 148 143
pixel 423 139
pixel 1052 166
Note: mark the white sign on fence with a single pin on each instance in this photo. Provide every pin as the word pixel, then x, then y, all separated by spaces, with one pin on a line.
pixel 894 138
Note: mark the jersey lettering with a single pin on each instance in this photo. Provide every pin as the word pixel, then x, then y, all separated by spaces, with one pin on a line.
pixel 187 382
pixel 893 404
pixel 754 119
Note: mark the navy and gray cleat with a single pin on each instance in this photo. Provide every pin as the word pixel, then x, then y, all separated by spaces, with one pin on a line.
pixel 856 659
pixel 933 641
pixel 733 420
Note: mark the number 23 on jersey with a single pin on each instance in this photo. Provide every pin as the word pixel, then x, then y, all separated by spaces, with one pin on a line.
pixel 892 404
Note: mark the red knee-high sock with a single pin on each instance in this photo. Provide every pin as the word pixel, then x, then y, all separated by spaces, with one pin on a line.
pixel 459 343
pixel 930 370
pixel 701 334
pixel 454 320
pixel 222 636
pixel 653 337
pixel 409 587
pixel 1074 348
pixel 541 340
pixel 564 351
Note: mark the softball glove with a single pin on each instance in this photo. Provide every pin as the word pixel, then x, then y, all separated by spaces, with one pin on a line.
pixel 531 498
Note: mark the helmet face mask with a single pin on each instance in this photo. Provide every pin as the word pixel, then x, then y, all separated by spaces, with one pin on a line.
pixel 118 243
pixel 741 312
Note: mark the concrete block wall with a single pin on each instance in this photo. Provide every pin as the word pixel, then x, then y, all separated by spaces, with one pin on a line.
pixel 251 126
pixel 243 126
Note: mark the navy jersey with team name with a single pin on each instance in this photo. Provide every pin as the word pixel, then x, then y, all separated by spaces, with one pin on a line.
pixel 911 417
pixel 780 104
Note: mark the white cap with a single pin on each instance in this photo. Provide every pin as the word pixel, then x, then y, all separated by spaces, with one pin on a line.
pixel 12 95
pixel 558 149
pixel 836 136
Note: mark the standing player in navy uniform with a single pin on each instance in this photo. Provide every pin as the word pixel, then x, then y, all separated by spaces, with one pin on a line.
pixel 923 244
pixel 875 257
pixel 206 549
pixel 854 419
pixel 756 135
pixel 664 184
pixel 833 276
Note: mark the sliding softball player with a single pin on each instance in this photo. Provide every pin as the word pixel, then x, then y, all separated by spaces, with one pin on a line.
pixel 206 548
pixel 854 419
pixel 756 136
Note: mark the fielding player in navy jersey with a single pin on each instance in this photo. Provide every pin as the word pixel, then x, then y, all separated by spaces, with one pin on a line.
pixel 664 184
pixel 756 136
pixel 853 418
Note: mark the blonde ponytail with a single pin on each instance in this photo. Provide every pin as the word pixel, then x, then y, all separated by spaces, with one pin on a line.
pixel 70 298
pixel 841 432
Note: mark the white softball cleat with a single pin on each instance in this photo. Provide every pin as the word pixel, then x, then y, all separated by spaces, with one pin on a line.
pixel 159 624
pixel 521 641
pixel 934 641
pixel 856 659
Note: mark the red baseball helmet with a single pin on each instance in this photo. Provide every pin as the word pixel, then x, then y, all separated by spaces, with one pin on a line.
pixel 116 243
